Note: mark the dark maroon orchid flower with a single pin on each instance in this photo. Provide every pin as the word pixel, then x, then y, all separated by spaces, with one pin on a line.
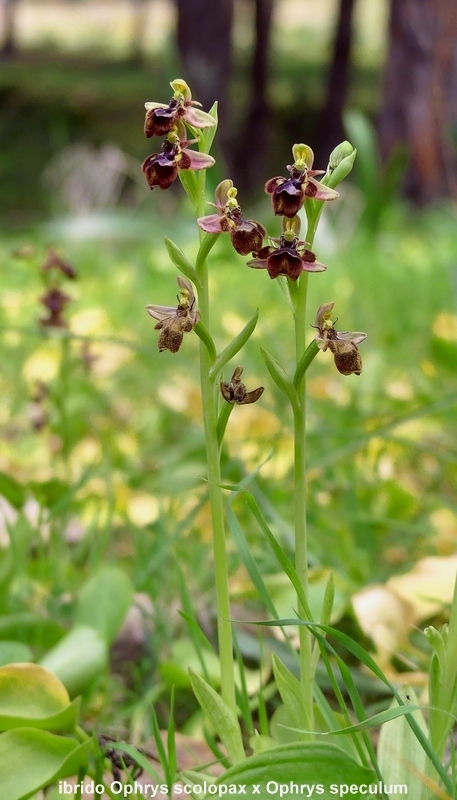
pixel 288 255
pixel 162 118
pixel 289 194
pixel 161 169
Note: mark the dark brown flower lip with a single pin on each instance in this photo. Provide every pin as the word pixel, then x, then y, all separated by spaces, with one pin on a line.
pixel 235 391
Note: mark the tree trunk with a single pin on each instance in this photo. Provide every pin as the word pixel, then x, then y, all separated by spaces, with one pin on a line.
pixel 8 47
pixel 419 107
pixel 330 130
pixel 205 47
pixel 140 11
pixel 252 147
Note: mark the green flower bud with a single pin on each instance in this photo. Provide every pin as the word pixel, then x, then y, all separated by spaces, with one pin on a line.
pixel 338 155
pixel 340 164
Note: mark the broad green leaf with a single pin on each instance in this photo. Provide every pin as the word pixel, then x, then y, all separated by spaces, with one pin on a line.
pixel 11 490
pixel 289 689
pixel 400 755
pixel 233 348
pixel 221 717
pixel 32 696
pixel 280 378
pixel 261 743
pixel 31 629
pixel 32 759
pixel 303 763
pixel 181 262
pixel 78 659
pixel 103 602
pixel 14 652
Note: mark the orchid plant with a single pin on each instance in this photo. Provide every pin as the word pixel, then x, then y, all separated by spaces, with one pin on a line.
pixel 289 260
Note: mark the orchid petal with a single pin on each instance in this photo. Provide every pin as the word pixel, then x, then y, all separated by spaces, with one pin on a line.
pixel 212 223
pixel 303 154
pixel 356 337
pixel 184 283
pixel 180 86
pixel 221 193
pixel 319 191
pixel 198 118
pixel 313 266
pixel 196 160
pixel 151 106
pixel 161 312
pixel 257 263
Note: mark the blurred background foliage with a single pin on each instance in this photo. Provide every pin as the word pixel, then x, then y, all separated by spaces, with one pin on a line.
pixel 102 454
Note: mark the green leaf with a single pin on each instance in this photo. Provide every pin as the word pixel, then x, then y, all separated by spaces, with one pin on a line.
pixel 280 378
pixel 261 743
pixel 78 659
pixel 233 348
pixel 11 490
pixel 289 689
pixel 221 717
pixel 31 629
pixel 400 755
pixel 189 183
pixel 180 261
pixel 14 652
pixel 284 561
pixel 207 244
pixel 207 340
pixel 308 356
pixel 302 763
pixel 207 134
pixel 141 759
pixel 31 759
pixel 223 418
pixel 32 696
pixel 103 602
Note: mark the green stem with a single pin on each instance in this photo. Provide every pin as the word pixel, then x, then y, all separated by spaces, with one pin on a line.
pixel 301 537
pixel 209 401
pixel 210 421
pixel 301 534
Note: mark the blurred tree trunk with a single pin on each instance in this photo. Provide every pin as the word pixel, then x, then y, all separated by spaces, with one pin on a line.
pixel 8 11
pixel 330 129
pixel 140 11
pixel 205 47
pixel 253 144
pixel 419 107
